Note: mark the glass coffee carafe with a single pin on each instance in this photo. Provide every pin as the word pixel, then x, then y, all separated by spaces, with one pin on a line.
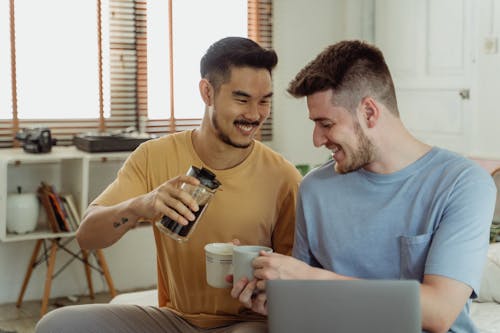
pixel 202 193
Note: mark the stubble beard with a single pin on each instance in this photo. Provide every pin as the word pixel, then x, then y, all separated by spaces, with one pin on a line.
pixel 364 155
pixel 223 136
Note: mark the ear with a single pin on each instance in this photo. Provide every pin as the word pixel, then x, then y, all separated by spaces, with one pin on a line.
pixel 206 92
pixel 369 111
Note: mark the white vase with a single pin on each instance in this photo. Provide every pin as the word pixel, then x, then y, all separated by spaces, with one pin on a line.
pixel 22 212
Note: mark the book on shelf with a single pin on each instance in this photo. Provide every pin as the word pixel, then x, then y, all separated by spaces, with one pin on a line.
pixel 58 217
pixel 59 206
pixel 71 209
pixel 43 194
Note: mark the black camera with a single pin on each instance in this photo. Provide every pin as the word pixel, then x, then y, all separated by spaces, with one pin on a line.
pixel 36 140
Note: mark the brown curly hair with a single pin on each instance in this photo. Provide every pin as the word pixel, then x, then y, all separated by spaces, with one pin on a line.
pixel 354 70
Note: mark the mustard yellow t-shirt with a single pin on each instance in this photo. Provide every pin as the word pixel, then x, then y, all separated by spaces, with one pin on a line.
pixel 255 204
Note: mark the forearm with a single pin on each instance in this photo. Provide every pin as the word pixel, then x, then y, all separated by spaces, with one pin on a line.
pixel 272 266
pixel 103 226
pixel 441 300
pixel 315 273
pixel 432 317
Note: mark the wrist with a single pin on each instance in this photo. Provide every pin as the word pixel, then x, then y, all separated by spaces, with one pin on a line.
pixel 132 208
pixel 322 274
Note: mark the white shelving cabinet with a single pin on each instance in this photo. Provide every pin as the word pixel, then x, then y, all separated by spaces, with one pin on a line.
pixel 70 170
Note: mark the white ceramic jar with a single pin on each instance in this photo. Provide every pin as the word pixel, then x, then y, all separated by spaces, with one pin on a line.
pixel 22 212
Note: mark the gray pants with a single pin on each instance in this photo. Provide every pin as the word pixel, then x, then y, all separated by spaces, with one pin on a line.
pixel 107 318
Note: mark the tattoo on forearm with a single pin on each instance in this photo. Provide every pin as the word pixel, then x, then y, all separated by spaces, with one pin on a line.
pixel 123 220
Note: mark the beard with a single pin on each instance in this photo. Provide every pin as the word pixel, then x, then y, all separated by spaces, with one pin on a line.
pixel 360 157
pixel 224 137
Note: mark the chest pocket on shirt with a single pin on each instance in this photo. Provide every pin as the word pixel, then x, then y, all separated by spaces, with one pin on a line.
pixel 414 251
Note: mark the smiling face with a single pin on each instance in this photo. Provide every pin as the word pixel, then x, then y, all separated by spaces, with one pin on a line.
pixel 339 130
pixel 241 105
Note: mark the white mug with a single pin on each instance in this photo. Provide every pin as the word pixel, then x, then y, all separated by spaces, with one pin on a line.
pixel 218 263
pixel 242 260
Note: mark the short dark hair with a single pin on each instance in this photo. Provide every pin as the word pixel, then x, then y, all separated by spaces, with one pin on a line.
pixel 353 69
pixel 215 65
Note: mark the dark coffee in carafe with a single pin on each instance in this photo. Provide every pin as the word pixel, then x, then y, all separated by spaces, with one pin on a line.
pixel 202 193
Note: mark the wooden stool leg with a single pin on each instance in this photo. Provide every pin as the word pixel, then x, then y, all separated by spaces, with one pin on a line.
pixel 27 276
pixel 88 272
pixel 107 275
pixel 48 277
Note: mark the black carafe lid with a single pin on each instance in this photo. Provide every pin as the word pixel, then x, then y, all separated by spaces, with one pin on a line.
pixel 207 178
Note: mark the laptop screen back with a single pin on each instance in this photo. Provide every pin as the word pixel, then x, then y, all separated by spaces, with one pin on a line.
pixel 319 306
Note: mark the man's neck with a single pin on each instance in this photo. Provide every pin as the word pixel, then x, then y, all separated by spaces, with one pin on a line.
pixel 216 154
pixel 397 151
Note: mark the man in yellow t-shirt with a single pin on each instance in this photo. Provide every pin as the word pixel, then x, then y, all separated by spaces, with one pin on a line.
pixel 255 203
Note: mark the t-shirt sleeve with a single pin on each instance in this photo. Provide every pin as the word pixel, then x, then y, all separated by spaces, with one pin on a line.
pixel 460 243
pixel 130 181
pixel 301 247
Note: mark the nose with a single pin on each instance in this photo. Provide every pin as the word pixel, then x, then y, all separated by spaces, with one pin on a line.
pixel 319 138
pixel 256 112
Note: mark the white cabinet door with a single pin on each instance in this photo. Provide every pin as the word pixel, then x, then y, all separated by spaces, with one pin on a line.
pixel 428 47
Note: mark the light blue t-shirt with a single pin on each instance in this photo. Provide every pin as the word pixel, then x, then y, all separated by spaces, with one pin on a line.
pixel 432 217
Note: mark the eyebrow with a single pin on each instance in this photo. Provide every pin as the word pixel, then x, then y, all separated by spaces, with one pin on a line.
pixel 239 93
pixel 320 119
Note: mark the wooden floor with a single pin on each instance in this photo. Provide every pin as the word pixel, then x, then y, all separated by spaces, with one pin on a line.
pixel 24 319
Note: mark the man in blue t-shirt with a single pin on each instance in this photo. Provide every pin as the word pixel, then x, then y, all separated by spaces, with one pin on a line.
pixel 387 206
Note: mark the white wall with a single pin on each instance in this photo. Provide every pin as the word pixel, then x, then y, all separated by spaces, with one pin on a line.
pixel 486 126
pixel 301 29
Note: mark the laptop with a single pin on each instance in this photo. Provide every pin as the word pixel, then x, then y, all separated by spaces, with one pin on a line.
pixel 354 306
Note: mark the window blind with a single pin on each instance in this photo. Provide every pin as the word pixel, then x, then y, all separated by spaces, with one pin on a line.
pixel 127 84
pixel 260 29
pixel 127 43
pixel 62 129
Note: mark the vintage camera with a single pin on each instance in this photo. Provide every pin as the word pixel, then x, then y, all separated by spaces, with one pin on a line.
pixel 36 140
